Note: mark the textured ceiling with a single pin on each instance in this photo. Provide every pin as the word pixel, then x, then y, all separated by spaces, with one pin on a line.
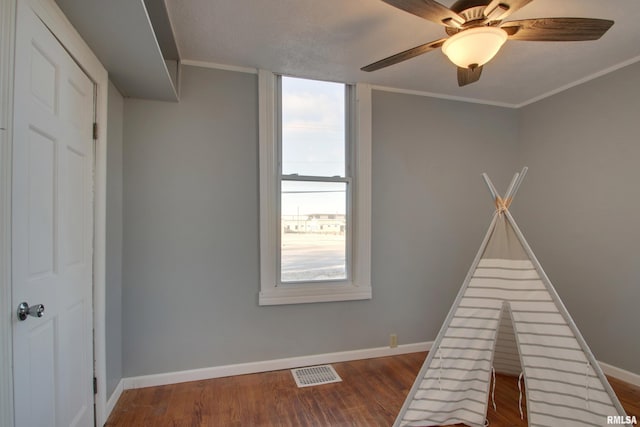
pixel 332 39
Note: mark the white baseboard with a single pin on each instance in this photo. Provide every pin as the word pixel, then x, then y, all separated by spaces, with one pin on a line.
pixel 113 399
pixel 269 365
pixel 296 362
pixel 621 374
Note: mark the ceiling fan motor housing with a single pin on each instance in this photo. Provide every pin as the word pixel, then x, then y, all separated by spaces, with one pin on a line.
pixel 470 10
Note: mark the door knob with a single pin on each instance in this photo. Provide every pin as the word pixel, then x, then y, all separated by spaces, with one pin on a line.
pixel 24 310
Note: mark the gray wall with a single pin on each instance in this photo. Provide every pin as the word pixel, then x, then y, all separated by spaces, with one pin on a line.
pixel 580 205
pixel 191 257
pixel 113 289
pixel 431 207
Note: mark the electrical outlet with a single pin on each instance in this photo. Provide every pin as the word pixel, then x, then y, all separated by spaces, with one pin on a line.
pixel 393 340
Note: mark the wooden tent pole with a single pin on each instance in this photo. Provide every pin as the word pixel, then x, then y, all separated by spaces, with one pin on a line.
pixel 515 188
pixel 512 184
pixel 492 189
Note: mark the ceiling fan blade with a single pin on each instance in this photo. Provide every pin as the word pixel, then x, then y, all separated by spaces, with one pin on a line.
pixel 403 56
pixel 500 9
pixel 467 76
pixel 430 10
pixel 557 29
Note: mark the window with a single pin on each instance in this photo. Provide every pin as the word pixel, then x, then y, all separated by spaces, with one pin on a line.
pixel 314 179
pixel 315 190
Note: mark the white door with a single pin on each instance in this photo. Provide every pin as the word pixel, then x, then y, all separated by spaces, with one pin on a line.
pixel 52 230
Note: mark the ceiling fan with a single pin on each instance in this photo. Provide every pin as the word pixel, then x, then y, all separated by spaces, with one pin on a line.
pixel 476 32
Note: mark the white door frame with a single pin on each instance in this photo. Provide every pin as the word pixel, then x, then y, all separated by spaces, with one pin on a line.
pixel 62 29
pixel 7 14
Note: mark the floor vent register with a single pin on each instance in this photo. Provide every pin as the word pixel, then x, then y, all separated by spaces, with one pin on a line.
pixel 315 375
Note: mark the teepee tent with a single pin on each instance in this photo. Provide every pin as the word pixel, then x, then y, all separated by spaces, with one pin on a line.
pixel 508 318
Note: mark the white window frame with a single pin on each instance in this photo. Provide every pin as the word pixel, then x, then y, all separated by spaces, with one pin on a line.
pixel 358 284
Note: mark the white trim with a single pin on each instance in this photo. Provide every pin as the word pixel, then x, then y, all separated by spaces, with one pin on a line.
pixel 270 365
pixel 113 399
pixel 268 175
pixel 240 69
pixel 444 96
pixel 216 66
pixel 296 362
pixel 362 152
pixel 580 81
pixel 510 105
pixel 7 42
pixel 621 374
pixel 358 287
pixel 311 294
pixel 59 25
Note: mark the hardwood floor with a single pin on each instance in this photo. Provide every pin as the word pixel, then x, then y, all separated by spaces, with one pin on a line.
pixel 370 394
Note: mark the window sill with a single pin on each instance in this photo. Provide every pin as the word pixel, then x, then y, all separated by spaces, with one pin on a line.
pixel 312 294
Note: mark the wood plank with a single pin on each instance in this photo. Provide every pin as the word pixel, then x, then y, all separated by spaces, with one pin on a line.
pixel 371 393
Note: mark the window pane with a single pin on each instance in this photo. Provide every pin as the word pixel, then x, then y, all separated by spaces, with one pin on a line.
pixel 313 127
pixel 313 231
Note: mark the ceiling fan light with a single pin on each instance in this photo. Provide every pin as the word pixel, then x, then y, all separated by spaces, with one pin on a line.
pixel 475 46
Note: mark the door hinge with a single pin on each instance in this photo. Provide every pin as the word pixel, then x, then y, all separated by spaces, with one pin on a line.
pixel 95 385
pixel 95 131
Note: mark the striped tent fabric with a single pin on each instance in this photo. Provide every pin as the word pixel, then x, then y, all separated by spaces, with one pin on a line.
pixel 509 319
